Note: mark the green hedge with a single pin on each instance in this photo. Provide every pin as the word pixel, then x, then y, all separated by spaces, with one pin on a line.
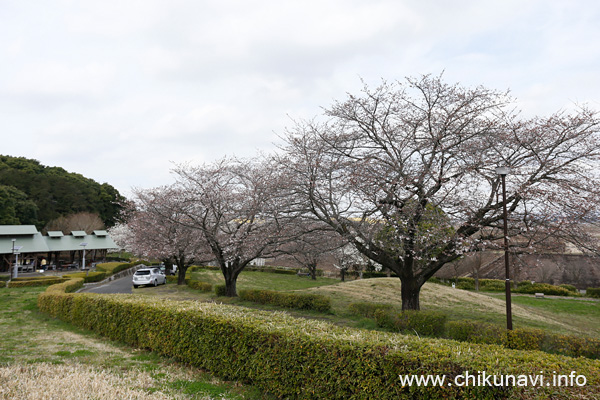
pixel 593 292
pixel 308 359
pixel 34 278
pixel 68 286
pixel 532 288
pixel 365 309
pixel 35 282
pixel 424 323
pixel 199 285
pixel 92 276
pixel 221 290
pixel 523 338
pixel 570 288
pixel 301 301
pixel 112 268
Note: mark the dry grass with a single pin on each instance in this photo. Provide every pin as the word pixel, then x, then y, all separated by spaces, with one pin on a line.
pixel 77 381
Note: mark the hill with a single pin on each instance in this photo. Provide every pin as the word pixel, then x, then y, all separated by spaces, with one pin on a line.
pixel 34 194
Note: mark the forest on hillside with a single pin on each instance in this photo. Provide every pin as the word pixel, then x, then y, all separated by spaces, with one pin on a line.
pixel 34 194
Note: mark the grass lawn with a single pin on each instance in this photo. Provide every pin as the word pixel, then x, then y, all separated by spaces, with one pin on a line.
pixel 45 358
pixel 264 280
pixel 559 315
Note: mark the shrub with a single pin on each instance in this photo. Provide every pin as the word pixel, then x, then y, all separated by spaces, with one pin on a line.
pixel 367 310
pixel 593 292
pixel 522 338
pixel 172 279
pixel 221 290
pixel 4 278
pixel 95 276
pixel 112 268
pixel 199 285
pixel 308 359
pixel 68 286
pixel 35 282
pixel 545 288
pixel 492 285
pixel 427 323
pixel 301 301
pixel 570 288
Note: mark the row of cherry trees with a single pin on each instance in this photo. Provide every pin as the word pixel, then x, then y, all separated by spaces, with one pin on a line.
pixel 403 174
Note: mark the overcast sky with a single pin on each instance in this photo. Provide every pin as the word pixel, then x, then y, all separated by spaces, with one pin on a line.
pixel 120 90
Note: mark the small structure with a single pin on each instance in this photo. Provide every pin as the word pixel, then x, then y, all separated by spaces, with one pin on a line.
pixel 35 246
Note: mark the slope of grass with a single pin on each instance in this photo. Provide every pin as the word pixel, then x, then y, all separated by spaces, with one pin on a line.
pixel 552 314
pixel 559 315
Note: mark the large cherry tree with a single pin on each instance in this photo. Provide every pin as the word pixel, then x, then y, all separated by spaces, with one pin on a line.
pixel 237 209
pixel 406 173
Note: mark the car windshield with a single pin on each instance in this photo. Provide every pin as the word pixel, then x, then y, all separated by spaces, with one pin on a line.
pixel 143 272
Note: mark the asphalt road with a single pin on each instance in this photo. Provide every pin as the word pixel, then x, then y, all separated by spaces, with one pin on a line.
pixel 122 285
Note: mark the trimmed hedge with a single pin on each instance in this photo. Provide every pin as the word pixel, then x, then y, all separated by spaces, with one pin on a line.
pixel 522 339
pixel 368 310
pixel 93 276
pixel 221 290
pixel 593 292
pixel 69 286
pixel 532 288
pixel 35 282
pixel 424 323
pixel 300 301
pixel 199 285
pixel 112 268
pixel 308 359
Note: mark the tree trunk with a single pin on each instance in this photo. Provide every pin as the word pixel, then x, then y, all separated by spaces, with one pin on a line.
pixel 230 273
pixel 231 287
pixel 313 272
pixel 343 274
pixel 181 270
pixel 410 291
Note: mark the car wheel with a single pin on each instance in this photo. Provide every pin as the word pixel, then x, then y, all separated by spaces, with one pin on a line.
pixel 155 282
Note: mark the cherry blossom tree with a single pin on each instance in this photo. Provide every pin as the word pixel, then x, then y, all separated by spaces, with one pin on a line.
pixel 237 209
pixel 388 158
pixel 311 244
pixel 158 229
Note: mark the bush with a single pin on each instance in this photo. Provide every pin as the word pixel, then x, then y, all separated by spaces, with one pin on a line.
pixel 425 323
pixel 172 279
pixel 301 301
pixel 367 310
pixel 221 290
pixel 198 285
pixel 308 359
pixel 68 286
pixel 35 282
pixel 96 276
pixel 593 292
pixel 545 288
pixel 492 285
pixel 112 268
pixel 570 288
pixel 522 338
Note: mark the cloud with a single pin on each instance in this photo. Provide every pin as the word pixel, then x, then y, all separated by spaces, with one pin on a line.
pixel 118 90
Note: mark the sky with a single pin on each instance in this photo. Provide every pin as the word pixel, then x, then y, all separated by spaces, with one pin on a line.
pixel 123 91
